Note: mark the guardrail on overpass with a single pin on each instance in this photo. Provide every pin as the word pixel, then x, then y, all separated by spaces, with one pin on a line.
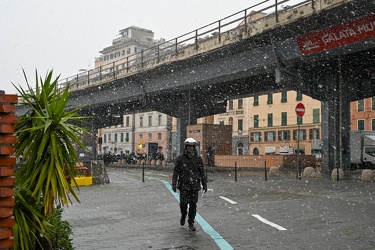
pixel 231 29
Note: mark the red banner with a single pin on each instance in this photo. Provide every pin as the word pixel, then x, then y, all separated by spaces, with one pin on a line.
pixel 336 36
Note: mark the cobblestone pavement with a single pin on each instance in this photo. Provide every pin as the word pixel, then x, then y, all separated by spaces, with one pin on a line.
pixel 250 213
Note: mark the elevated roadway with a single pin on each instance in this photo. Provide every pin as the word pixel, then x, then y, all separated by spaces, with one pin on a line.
pixel 325 49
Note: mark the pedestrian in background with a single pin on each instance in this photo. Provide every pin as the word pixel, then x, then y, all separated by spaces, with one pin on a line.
pixel 107 158
pixel 188 175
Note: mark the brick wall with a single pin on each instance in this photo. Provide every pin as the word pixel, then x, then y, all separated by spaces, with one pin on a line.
pixel 7 163
pixel 258 161
pixel 249 161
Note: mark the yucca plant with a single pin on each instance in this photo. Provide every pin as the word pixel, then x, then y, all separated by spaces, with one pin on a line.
pixel 45 138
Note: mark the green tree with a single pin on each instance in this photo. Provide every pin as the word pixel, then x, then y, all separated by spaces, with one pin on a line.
pixel 45 138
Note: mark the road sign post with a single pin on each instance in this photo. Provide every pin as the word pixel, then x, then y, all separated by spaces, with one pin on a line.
pixel 300 111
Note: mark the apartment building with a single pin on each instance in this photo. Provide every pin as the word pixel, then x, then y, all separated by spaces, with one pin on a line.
pixel 131 40
pixel 118 139
pixel 362 114
pixel 238 116
pixel 152 134
pixel 142 133
pixel 268 124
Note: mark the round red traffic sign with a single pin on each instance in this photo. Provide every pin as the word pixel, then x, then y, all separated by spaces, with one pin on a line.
pixel 300 109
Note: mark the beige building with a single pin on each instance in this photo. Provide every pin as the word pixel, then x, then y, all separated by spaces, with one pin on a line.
pixel 267 124
pixel 152 134
pixel 141 133
pixel 130 41
pixel 118 139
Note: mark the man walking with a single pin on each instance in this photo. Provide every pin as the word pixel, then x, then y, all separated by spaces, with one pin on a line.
pixel 188 174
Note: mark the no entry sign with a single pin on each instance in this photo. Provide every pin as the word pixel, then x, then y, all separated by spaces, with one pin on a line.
pixel 300 109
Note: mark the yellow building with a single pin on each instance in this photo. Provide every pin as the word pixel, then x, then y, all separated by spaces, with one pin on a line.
pixel 267 124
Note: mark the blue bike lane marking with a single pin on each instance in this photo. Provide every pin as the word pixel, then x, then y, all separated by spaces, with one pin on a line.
pixel 222 244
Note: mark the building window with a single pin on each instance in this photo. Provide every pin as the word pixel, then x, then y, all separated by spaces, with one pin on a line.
pixel 221 121
pixel 284 118
pixel 302 134
pixel 140 136
pixel 160 119
pixel 127 121
pixel 159 136
pixel 361 105
pixel 141 121
pixel 115 137
pixel 284 135
pixel 230 120
pixel 105 138
pixel 270 120
pixel 270 98
pixel 256 100
pixel 316 115
pixel 150 121
pixel 255 151
pixel 240 103
pixel 299 95
pixel 256 136
pixel 240 125
pixel 361 124
pixel 256 121
pixel 149 136
pixel 373 103
pixel 284 97
pixel 122 137
pixel 230 104
pixel 240 148
pixel 127 136
pixel 314 134
pixel 270 136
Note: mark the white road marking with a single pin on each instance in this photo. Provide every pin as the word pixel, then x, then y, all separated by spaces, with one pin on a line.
pixel 228 200
pixel 268 222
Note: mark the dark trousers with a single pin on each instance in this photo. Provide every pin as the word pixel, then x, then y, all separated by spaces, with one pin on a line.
pixel 189 197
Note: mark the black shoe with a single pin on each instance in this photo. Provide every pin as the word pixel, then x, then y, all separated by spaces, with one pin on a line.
pixel 192 227
pixel 182 220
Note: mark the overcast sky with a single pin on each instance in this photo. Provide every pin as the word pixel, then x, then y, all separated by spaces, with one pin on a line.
pixel 66 35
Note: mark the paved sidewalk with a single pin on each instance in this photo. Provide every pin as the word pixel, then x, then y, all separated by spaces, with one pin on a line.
pixel 131 214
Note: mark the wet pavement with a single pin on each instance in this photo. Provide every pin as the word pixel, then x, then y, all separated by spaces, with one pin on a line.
pixel 247 213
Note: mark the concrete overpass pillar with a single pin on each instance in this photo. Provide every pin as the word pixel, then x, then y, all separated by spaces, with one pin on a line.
pixel 336 122
pixel 326 146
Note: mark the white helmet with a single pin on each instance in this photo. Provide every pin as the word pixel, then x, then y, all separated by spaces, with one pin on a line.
pixel 190 141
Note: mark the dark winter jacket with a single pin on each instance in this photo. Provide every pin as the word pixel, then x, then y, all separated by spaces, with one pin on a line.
pixel 189 172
